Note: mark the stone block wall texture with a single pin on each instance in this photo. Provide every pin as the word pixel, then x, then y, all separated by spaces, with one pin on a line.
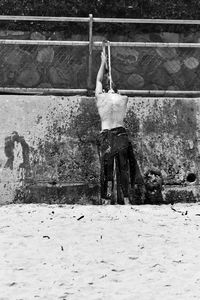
pixel 31 66
pixel 48 148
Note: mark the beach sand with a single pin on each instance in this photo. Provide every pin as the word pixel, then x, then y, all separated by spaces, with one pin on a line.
pixel 100 252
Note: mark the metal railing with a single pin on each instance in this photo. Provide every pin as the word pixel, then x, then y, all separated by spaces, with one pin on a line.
pixel 91 45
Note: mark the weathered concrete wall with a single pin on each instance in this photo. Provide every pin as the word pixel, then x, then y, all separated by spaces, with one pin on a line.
pixel 48 148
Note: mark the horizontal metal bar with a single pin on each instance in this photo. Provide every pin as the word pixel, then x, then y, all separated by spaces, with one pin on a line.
pixel 45 19
pixel 54 91
pixel 151 44
pixel 98 20
pixel 146 21
pixel 45 43
pixel 99 44
pixel 41 91
pixel 157 93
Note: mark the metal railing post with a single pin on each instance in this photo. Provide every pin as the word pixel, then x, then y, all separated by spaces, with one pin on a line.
pixel 89 83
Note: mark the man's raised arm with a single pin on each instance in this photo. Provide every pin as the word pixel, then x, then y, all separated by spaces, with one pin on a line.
pixel 100 74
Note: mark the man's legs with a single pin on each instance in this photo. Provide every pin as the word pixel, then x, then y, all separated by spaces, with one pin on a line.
pixel 107 179
pixel 124 175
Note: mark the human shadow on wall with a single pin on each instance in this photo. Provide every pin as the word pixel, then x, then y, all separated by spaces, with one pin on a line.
pixel 10 146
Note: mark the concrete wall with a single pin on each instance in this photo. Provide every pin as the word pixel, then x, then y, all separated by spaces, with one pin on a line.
pixel 48 148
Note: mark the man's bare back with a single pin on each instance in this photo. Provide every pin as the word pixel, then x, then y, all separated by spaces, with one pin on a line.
pixel 112 109
pixel 111 105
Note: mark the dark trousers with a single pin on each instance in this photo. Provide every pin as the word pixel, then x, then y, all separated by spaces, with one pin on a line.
pixel 115 148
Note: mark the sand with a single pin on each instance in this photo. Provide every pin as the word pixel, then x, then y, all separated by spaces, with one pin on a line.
pixel 100 252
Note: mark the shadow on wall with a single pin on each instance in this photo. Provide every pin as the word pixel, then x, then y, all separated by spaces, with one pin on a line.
pixel 16 169
pixel 16 148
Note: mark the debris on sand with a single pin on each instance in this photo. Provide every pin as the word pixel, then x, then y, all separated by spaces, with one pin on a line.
pixel 80 218
pixel 46 236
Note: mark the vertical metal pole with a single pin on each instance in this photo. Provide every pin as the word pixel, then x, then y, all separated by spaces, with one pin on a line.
pixel 109 66
pixel 89 83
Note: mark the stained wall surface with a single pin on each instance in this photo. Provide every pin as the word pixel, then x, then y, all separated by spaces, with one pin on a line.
pixel 48 148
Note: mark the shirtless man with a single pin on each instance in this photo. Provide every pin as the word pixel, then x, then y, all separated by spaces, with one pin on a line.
pixel 116 155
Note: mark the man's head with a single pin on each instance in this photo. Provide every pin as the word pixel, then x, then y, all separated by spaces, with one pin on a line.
pixel 110 89
pixel 15 136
